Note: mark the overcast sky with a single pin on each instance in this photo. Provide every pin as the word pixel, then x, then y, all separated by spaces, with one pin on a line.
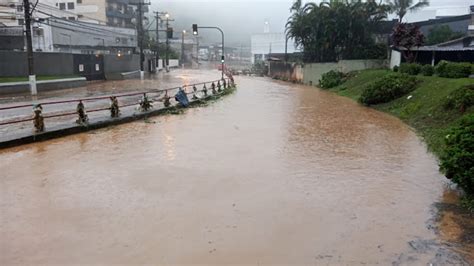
pixel 241 18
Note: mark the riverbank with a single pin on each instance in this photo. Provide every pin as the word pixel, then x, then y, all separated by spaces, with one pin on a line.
pixel 423 109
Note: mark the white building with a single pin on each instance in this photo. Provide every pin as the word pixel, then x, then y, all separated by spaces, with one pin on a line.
pixel 120 13
pixel 267 43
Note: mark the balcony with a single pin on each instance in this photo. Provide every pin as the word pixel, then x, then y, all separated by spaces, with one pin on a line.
pixel 124 2
pixel 118 14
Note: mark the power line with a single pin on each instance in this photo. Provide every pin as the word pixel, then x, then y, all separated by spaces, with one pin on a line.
pixel 68 12
pixel 83 25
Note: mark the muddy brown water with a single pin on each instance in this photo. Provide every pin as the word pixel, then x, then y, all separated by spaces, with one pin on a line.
pixel 273 174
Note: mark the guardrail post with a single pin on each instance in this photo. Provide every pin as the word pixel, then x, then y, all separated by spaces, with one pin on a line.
pixel 145 103
pixel 213 88
pixel 38 120
pixel 81 112
pixel 114 107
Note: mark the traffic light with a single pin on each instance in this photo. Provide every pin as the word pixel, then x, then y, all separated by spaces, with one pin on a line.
pixel 169 33
pixel 222 59
pixel 195 29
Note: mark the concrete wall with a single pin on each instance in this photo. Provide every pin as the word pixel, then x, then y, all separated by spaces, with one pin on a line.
pixel 42 85
pixel 124 63
pixel 13 64
pixel 286 71
pixel 312 73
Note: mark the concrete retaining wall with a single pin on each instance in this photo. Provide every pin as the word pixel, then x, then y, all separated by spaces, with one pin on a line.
pixel 42 85
pixel 286 71
pixel 14 64
pixel 312 73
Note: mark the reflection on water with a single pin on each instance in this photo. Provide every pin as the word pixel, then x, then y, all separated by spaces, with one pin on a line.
pixel 273 174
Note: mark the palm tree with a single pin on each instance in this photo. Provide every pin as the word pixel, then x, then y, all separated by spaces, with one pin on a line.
pixel 402 7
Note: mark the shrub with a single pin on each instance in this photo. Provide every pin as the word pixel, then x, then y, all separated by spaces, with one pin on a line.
pixel 396 68
pixel 453 70
pixel 427 70
pixel 410 69
pixel 460 99
pixel 457 162
pixel 331 79
pixel 388 88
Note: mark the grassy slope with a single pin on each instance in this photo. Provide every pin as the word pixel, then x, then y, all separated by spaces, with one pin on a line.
pixel 424 111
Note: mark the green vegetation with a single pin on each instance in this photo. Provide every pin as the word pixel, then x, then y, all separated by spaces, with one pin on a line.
pixel 460 99
pixel 457 161
pixel 388 88
pixel 440 34
pixel 434 109
pixel 427 70
pixel 331 79
pixel 334 30
pixel 410 68
pixel 18 79
pixel 453 70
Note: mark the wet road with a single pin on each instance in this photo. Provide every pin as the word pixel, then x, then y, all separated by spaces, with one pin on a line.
pixel 272 174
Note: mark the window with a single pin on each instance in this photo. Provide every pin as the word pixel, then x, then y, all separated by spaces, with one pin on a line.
pixel 62 6
pixel 71 18
pixel 79 1
pixel 70 5
pixel 19 8
pixel 80 16
pixel 21 21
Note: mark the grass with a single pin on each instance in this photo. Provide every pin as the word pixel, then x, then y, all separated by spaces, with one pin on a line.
pixel 423 111
pixel 18 79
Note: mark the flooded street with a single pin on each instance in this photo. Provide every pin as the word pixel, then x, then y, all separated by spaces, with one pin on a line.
pixel 275 173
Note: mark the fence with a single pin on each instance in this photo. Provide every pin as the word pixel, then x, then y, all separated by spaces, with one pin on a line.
pixel 129 99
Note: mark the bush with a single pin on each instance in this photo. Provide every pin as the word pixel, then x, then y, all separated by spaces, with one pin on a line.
pixel 457 163
pixel 453 70
pixel 396 68
pixel 410 69
pixel 388 88
pixel 460 99
pixel 427 70
pixel 331 79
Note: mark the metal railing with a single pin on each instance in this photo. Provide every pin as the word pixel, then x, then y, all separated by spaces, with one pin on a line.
pixel 157 97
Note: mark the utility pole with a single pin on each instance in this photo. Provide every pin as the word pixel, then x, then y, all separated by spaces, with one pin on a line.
pixel 140 37
pixel 139 5
pixel 29 48
pixel 167 42
pixel 157 55
pixel 197 51
pixel 182 47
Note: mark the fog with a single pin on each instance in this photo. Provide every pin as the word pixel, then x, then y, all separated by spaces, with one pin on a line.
pixel 241 18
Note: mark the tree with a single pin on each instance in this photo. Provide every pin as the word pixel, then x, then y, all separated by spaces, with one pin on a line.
pixel 336 29
pixel 408 37
pixel 442 33
pixel 402 7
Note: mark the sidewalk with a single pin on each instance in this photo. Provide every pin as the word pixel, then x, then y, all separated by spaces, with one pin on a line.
pixel 20 133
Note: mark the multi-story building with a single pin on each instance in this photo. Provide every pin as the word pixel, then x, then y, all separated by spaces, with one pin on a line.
pixel 117 13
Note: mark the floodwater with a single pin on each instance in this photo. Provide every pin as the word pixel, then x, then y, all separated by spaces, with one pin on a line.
pixel 273 174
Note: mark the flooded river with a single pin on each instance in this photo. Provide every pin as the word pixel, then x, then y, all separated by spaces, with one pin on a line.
pixel 273 174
